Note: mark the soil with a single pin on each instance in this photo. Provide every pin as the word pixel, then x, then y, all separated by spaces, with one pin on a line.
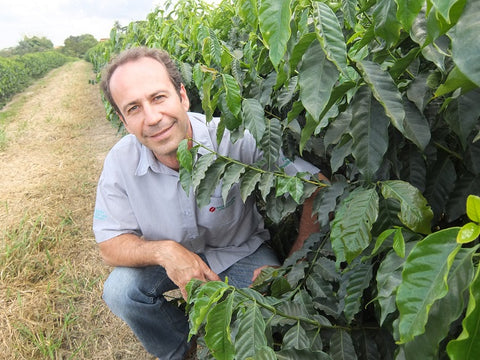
pixel 57 139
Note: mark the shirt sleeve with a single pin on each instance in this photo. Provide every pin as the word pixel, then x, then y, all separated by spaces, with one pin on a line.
pixel 113 215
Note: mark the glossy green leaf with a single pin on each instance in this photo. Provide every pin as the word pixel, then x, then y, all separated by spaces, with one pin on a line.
pixel 414 210
pixel 352 224
pixel 389 277
pixel 248 183
pixel 341 346
pixel 455 80
pixel 266 183
pixel 253 118
pixel 467 346
pixel 230 177
pixel 369 131
pixel 201 167
pixel 407 11
pixel 445 311
pixel 274 20
pixel 247 9
pixel 358 279
pixel 207 185
pixel 219 342
pixel 233 95
pixel 399 243
pixel 385 91
pixel 271 143
pixel 465 44
pixel 296 338
pixel 326 200
pixel 251 332
pixel 350 12
pixel 316 78
pixel 291 185
pixel 468 233
pixel 424 281
pixel 417 128
pixel 443 7
pixel 473 208
pixel 264 353
pixel 330 36
pixel 385 21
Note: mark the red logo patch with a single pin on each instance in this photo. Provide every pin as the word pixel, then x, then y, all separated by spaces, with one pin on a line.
pixel 212 209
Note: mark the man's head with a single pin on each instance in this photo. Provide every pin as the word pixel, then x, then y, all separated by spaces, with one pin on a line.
pixel 145 88
pixel 135 54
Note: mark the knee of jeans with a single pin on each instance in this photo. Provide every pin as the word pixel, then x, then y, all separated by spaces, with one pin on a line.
pixel 116 289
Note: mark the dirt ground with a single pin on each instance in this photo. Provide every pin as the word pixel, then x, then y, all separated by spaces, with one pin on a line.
pixel 56 142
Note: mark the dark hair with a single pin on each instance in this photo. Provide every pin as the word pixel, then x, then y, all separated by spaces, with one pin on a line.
pixel 134 54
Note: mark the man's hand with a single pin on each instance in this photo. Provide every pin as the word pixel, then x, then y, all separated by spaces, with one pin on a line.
pixel 182 265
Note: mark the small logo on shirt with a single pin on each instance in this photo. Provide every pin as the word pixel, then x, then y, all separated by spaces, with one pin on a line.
pixel 228 204
pixel 100 214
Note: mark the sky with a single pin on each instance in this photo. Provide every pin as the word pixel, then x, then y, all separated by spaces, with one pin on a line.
pixel 58 19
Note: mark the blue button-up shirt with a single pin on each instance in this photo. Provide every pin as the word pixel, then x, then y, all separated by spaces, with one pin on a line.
pixel 138 194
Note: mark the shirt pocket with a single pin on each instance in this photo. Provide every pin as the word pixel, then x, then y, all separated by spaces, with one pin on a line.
pixel 219 218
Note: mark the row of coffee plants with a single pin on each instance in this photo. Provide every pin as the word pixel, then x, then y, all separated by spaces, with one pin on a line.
pixel 382 95
pixel 17 72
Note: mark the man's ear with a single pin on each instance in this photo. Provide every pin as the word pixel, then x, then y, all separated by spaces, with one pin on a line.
pixel 184 98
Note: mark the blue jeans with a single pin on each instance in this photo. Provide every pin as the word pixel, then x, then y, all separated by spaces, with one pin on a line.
pixel 136 296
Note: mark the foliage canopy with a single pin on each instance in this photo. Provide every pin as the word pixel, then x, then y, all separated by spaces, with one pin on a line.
pixel 384 96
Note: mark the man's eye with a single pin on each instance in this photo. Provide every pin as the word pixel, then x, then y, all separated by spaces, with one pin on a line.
pixel 132 109
pixel 159 97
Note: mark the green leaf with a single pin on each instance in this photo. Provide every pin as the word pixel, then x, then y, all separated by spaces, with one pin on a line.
pixel 247 9
pixel 265 353
pixel 208 184
pixel 468 233
pixel 271 143
pixel 251 332
pixel 201 167
pixel 266 183
pixel 424 280
pixel 414 211
pixel 385 91
pixel 292 185
pixel 184 155
pixel 407 11
pixel 274 20
pixel 399 243
pixel 357 280
pixel 473 208
pixel 253 118
pixel 230 177
pixel 316 78
pixel 248 182
pixel 369 131
pixel 417 128
pixel 455 80
pixel 465 44
pixel 445 311
pixel 444 7
pixel 341 346
pixel 233 95
pixel 352 224
pixel 441 182
pixel 219 342
pixel 331 37
pixel 296 338
pixel 350 12
pixel 385 21
pixel 467 346
pixel 389 277
pixel 326 200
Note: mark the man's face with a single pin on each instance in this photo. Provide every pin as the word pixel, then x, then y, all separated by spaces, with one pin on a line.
pixel 151 108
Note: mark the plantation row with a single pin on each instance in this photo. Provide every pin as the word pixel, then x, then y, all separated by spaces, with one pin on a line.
pixel 16 73
pixel 384 97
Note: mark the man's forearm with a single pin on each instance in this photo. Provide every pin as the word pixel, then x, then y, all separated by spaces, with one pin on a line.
pixel 133 251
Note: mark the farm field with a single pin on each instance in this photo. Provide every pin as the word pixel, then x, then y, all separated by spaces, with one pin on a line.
pixel 54 139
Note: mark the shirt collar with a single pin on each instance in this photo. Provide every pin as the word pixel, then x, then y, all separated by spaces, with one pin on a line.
pixel 201 135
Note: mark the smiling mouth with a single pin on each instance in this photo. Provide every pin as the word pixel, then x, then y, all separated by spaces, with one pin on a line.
pixel 161 133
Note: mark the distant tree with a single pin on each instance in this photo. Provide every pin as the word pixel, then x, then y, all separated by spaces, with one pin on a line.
pixel 78 45
pixel 32 44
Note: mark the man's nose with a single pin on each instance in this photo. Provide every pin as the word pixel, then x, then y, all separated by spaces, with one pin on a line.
pixel 152 114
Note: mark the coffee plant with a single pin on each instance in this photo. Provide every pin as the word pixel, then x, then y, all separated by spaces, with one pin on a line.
pixel 383 96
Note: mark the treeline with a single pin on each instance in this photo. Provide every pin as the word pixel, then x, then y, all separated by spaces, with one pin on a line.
pixel 18 72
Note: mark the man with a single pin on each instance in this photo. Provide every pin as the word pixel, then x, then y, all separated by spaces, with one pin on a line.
pixel 151 230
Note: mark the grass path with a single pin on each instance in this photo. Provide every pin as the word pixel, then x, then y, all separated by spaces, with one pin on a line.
pixel 55 138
